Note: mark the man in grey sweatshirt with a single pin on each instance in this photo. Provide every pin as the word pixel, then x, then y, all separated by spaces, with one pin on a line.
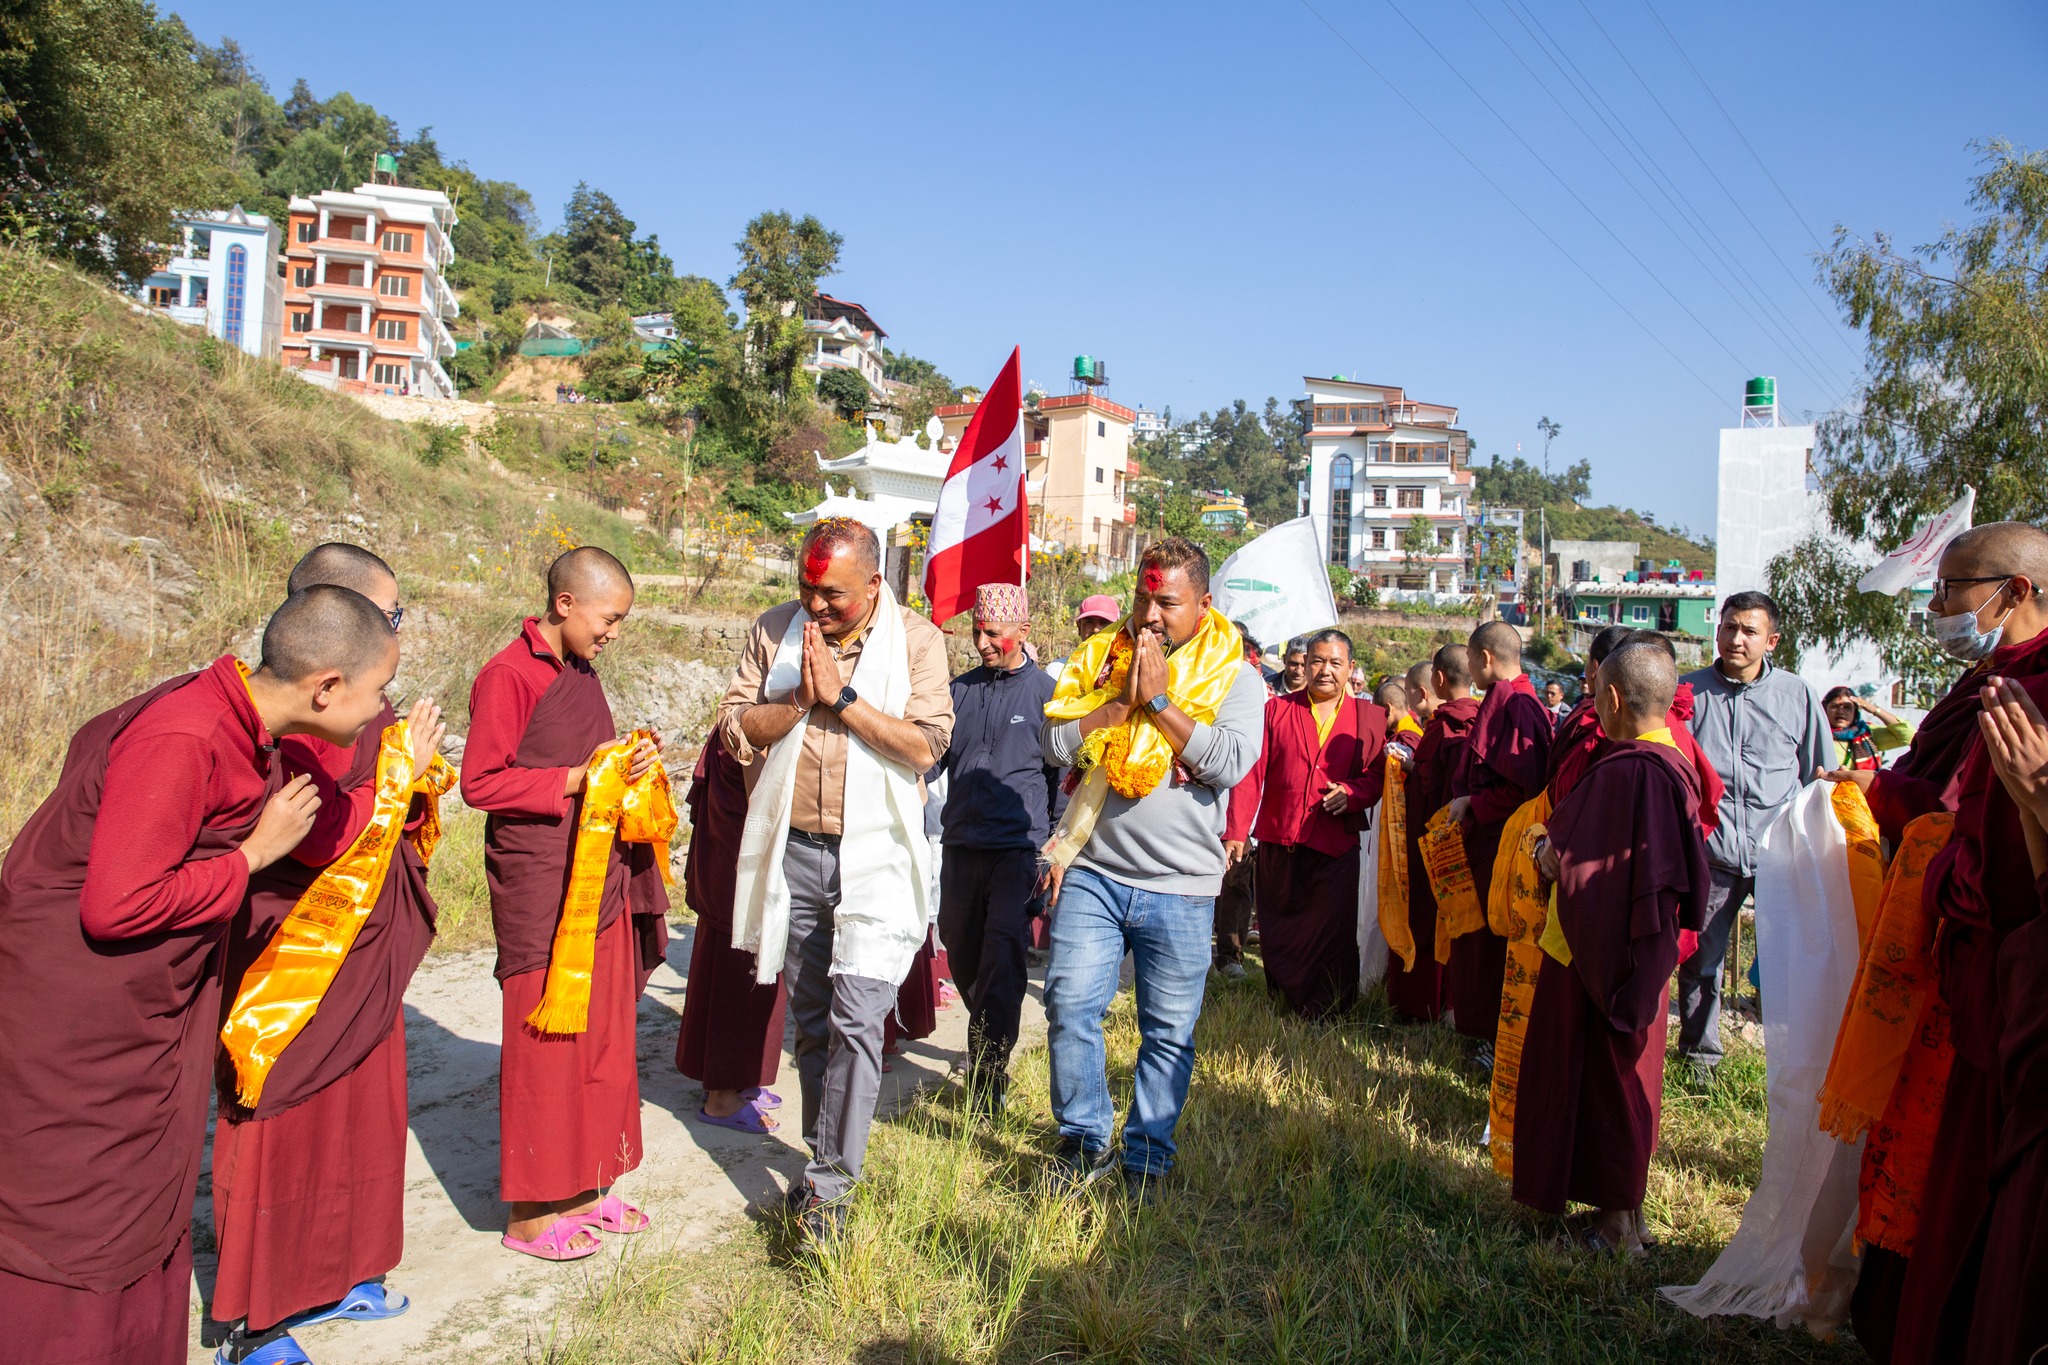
pixel 1767 736
pixel 1145 883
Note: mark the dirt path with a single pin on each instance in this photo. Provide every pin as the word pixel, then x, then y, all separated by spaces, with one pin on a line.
pixel 471 1299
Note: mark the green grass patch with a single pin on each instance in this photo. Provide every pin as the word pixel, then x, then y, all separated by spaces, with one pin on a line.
pixel 1331 1205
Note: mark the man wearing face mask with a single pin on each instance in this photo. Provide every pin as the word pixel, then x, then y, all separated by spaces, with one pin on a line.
pixel 1764 732
pixel 1987 609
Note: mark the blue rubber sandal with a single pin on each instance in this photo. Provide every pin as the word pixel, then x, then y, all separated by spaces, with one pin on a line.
pixel 367 1302
pixel 283 1351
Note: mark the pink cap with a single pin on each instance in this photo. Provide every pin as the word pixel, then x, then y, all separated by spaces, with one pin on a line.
pixel 1102 607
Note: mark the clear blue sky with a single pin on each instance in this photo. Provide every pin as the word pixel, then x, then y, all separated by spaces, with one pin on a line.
pixel 1217 198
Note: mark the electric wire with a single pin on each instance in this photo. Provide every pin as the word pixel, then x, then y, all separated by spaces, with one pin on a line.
pixel 1797 286
pixel 1669 188
pixel 1565 185
pixel 1800 353
pixel 1511 201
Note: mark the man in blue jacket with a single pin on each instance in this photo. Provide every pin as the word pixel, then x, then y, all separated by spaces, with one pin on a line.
pixel 1002 801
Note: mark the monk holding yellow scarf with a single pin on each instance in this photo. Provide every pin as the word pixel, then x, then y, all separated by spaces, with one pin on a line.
pixel 1162 717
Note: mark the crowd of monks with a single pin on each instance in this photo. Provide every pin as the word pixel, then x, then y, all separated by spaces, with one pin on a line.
pixel 226 894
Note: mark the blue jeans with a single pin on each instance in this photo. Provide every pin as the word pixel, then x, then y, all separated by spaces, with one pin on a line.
pixel 1097 921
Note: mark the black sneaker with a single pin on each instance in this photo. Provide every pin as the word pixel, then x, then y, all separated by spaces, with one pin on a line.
pixel 1698 1073
pixel 1482 1059
pixel 796 1198
pixel 1075 1168
pixel 1143 1189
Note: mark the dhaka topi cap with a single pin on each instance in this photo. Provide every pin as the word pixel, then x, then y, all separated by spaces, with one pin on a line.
pixel 1000 602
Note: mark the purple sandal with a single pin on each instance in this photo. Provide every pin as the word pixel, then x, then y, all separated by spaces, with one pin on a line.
pixel 745 1119
pixel 762 1098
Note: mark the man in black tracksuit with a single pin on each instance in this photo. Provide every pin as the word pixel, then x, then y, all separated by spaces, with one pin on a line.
pixel 1002 802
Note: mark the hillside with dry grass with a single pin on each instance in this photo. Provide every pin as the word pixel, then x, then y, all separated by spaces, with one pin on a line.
pixel 156 487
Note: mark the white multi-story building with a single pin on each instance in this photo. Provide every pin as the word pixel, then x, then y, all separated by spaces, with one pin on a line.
pixel 1387 485
pixel 841 336
pixel 1147 424
pixel 223 275
pixel 366 301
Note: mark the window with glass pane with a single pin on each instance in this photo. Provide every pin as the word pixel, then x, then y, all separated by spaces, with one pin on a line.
pixel 1340 510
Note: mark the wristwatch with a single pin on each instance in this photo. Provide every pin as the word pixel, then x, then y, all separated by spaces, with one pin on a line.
pixel 1158 704
pixel 847 697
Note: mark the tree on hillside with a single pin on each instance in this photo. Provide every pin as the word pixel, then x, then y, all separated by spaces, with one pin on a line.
pixel 781 261
pixel 845 390
pixel 335 146
pixel 1521 484
pixel 1955 393
pixel 596 245
pixel 102 133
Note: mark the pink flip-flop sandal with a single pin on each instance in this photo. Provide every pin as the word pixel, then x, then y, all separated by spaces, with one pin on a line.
pixel 553 1242
pixel 614 1214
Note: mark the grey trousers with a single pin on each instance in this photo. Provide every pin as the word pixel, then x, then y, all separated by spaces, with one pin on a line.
pixel 839 1022
pixel 1699 976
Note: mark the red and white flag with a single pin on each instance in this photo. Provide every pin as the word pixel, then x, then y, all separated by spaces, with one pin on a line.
pixel 982 528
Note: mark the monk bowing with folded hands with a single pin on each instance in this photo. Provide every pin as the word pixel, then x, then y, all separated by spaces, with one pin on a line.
pixel 576 856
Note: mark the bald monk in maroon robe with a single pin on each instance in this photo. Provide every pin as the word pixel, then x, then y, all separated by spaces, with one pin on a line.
pixel 114 900
pixel 1320 769
pixel 731 1039
pixel 309 1187
pixel 1996 1310
pixel 568 1104
pixel 1989 575
pixel 1578 740
pixel 1630 866
pixel 1421 993
pixel 1504 765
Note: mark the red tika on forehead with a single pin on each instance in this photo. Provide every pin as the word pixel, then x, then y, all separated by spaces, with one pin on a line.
pixel 1154 579
pixel 817 561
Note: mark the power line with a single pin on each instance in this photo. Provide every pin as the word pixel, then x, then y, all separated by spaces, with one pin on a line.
pixel 1512 203
pixel 1801 355
pixel 1672 192
pixel 1698 155
pixel 1566 187
pixel 1797 216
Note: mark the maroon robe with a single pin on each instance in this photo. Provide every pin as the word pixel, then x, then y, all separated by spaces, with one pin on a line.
pixel 731 1036
pixel 1579 741
pixel 917 1000
pixel 309 1188
pixel 110 961
pixel 1419 993
pixel 1503 766
pixel 569 1105
pixel 1632 874
pixel 1982 886
pixel 1308 858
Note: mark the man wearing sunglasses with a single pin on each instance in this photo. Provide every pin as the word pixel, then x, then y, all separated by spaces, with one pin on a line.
pixel 1987 610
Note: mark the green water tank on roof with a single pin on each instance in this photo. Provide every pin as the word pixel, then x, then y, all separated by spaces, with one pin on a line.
pixel 387 163
pixel 1761 392
pixel 1084 367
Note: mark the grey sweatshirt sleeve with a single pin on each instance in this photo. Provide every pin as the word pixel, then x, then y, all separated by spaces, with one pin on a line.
pixel 1817 750
pixel 1059 741
pixel 1219 755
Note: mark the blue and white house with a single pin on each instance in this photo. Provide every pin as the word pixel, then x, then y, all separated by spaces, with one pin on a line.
pixel 223 275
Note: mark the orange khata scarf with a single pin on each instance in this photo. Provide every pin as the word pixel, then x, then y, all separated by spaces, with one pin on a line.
pixel 1889 1072
pixel 286 983
pixel 1133 758
pixel 1866 856
pixel 1393 902
pixel 641 812
pixel 1519 905
pixel 1458 911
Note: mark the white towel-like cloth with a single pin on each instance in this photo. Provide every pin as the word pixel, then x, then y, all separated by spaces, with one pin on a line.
pixel 1372 944
pixel 1794 1258
pixel 884 860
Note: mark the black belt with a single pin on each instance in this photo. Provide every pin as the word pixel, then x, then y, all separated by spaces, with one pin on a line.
pixel 818 840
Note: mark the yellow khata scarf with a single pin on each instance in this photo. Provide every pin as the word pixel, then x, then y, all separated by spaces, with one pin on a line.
pixel 1407 726
pixel 1458 911
pixel 1395 926
pixel 1518 910
pixel 1134 757
pixel 641 812
pixel 284 986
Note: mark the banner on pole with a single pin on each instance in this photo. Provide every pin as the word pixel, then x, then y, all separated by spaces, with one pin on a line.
pixel 1916 560
pixel 1277 584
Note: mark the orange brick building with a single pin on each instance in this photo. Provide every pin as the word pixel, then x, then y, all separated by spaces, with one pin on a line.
pixel 365 299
